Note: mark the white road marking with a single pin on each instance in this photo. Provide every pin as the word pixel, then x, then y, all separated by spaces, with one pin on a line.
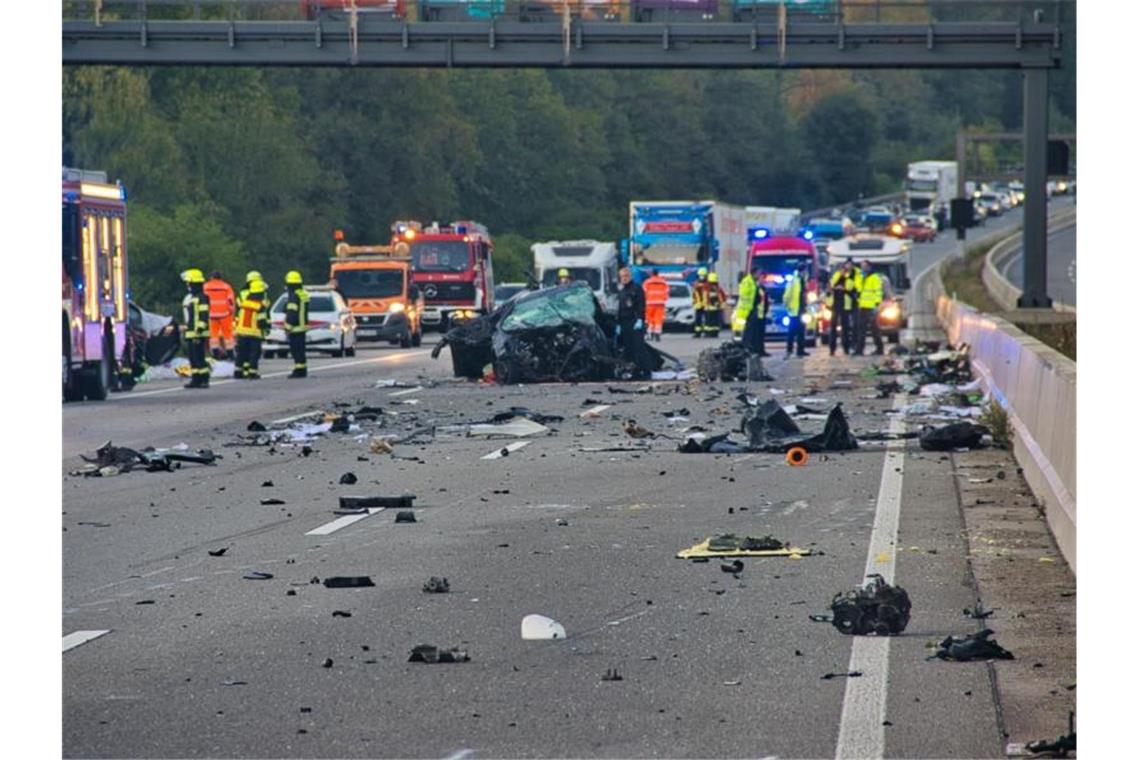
pixel 595 411
pixel 317 368
pixel 72 640
pixel 861 733
pixel 498 453
pixel 343 522
pixel 406 391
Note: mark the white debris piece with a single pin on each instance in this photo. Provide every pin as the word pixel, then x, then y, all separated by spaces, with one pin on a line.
pixel 516 427
pixel 541 628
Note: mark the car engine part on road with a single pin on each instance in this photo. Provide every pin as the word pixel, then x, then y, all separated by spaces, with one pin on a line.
pixel 957 435
pixel 875 608
pixel 767 423
pixel 432 654
pixel 403 501
pixel 348 581
pixel 436 585
pixel 112 460
pixel 728 362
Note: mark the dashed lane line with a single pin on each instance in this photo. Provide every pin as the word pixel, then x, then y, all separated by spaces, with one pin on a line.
pixel 343 522
pixel 406 391
pixel 861 732
pixel 72 640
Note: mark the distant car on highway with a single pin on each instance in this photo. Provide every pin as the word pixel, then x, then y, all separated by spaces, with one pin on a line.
pixel 992 203
pixel 332 327
pixel 504 291
pixel 919 228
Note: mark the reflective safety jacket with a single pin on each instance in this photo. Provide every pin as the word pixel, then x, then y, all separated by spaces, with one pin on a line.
pixel 752 296
pixel 700 294
pixel 196 315
pixel 849 284
pixel 794 296
pixel 656 291
pixel 253 319
pixel 871 294
pixel 714 297
pixel 221 297
pixel 297 310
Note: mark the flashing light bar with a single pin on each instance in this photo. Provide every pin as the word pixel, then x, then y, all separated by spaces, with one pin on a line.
pixel 761 233
pixel 104 192
pixel 808 235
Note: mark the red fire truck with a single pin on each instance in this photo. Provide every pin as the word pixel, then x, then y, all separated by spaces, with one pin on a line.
pixel 95 284
pixel 452 267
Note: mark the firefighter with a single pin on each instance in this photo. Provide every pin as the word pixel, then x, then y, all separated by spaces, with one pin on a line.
pixel 564 276
pixel 656 294
pixel 252 327
pixel 795 301
pixel 870 298
pixel 700 295
pixel 250 277
pixel 297 321
pixel 751 308
pixel 843 299
pixel 631 322
pixel 715 298
pixel 222 312
pixel 196 314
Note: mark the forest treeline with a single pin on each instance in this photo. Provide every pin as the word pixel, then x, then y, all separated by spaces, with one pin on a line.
pixel 254 168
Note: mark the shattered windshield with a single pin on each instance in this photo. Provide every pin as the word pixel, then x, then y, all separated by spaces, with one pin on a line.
pixel 551 308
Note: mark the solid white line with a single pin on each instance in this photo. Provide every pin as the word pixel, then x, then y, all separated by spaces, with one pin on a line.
pixel 861 733
pixel 406 391
pixel 72 640
pixel 498 453
pixel 596 410
pixel 317 368
pixel 343 522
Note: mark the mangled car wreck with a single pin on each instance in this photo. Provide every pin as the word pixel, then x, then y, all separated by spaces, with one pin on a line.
pixel 557 334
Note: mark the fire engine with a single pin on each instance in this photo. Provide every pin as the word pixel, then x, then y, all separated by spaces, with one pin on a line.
pixel 376 282
pixel 452 266
pixel 95 285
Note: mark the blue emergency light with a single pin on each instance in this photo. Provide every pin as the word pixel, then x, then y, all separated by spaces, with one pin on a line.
pixel 808 235
pixel 786 321
pixel 761 233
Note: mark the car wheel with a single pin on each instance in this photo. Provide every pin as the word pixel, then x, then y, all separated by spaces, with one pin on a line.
pixel 406 340
pixel 72 380
pixel 351 350
pixel 340 351
pixel 97 380
pixel 418 338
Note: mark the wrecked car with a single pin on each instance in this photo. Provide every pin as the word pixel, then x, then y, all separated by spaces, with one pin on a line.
pixel 875 608
pixel 556 334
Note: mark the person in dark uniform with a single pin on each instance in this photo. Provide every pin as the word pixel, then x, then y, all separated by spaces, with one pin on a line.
pixel 631 321
pixel 196 315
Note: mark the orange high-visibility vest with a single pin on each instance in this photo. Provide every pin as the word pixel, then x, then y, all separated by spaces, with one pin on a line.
pixel 221 297
pixel 656 291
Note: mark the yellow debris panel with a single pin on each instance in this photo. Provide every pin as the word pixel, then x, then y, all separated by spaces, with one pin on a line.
pixel 702 550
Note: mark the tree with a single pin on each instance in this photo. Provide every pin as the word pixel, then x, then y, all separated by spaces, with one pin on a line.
pixel 841 133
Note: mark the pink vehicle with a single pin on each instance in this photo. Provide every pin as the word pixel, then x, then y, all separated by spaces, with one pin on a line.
pixel 95 289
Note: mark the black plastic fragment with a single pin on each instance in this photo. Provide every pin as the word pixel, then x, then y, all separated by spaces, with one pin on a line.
pixel 405 516
pixel 257 575
pixel 403 501
pixel 348 479
pixel 348 581
pixel 436 585
pixel 977 646
pixel 431 654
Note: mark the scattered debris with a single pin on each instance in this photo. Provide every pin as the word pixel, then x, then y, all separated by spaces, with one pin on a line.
pixel 381 446
pixel 341 614
pixel 256 427
pixel 1062 746
pixel 767 423
pixel 405 516
pixel 699 443
pixel 235 683
pixel 436 585
pixel 851 674
pixel 257 575
pixel 217 552
pixel 433 654
pixel 736 567
pixel 976 646
pixel 957 435
pixel 611 674
pixel 348 479
pixel 403 501
pixel 728 362
pixel 327 663
pixel 348 581
pixel 541 628
pixel 270 501
pixel 731 545
pixel 875 608
pixel 515 427
pixel 267 484
pixel 110 460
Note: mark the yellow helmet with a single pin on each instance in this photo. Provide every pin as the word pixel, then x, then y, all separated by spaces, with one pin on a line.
pixel 713 277
pixel 293 277
pixel 702 273
pixel 191 276
pixel 256 286
pixel 253 276
pixel 564 273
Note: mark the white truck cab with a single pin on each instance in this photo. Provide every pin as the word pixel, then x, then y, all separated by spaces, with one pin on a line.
pixel 591 261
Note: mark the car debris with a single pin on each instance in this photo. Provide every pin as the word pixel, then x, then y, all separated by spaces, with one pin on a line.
pixel 957 435
pixel 217 552
pixel 348 581
pixel 874 608
pixel 381 446
pixel 836 436
pixel 109 460
pixel 522 411
pixel 348 479
pixel 732 545
pixel 1062 746
pixel 541 628
pixel 403 501
pixel 612 674
pixel 256 575
pixel 431 654
pixel 270 501
pixel 436 585
pixel 515 427
pixel 728 362
pixel 405 516
pixel 767 423
pixel 849 674
pixel 976 646
pixel 559 334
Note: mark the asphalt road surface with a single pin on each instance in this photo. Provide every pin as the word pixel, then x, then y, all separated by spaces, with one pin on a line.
pixel 1061 266
pixel 187 657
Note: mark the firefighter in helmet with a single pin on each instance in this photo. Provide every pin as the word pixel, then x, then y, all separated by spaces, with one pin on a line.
pixel 252 327
pixel 196 315
pixel 297 321
pixel 564 276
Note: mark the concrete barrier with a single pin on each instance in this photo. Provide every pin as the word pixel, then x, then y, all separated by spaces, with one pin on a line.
pixel 1037 386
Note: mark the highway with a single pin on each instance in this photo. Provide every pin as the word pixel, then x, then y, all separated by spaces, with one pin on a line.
pixel 1061 273
pixel 187 657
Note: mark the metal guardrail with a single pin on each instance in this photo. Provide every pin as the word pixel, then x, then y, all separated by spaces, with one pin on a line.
pixel 626 11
